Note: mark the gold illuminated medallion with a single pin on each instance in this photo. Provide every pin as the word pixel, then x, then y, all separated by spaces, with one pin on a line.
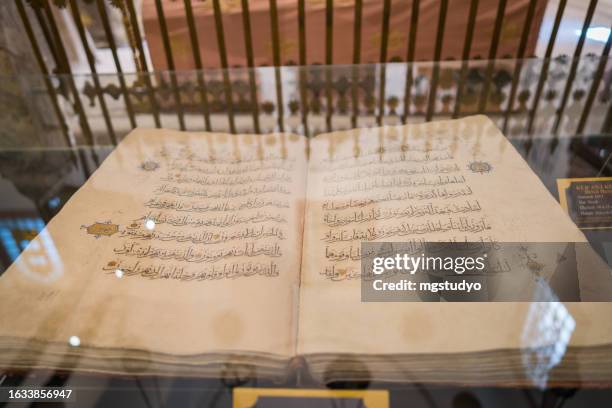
pixel 149 165
pixel 99 229
pixel 480 167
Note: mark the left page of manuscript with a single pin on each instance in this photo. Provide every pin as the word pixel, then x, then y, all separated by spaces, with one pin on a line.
pixel 179 244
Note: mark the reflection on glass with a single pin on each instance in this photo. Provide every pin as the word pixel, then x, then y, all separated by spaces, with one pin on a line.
pixel 41 262
pixel 16 233
pixel 74 341
pixel 150 224
pixel 546 334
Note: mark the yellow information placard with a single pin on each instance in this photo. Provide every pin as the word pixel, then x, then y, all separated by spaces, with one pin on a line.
pixel 295 397
pixel 588 201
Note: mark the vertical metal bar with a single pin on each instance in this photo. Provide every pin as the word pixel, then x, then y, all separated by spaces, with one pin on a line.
pixel 526 29
pixel 544 71
pixel 248 41
pixel 275 34
pixel 62 66
pixel 329 43
pixel 414 23
pixel 356 60
pixel 197 59
pixel 277 63
pixel 384 40
pixel 329 31
pixel 223 56
pixel 499 19
pixel 220 34
pixel 45 73
pixel 143 62
pixel 113 46
pixel 303 77
pixel 357 32
pixel 73 88
pixel 574 65
pixel 130 36
pixel 76 15
pixel 302 30
pixel 520 54
pixel 170 61
pixel 594 85
pixel 606 127
pixel 437 54
pixel 303 74
pixel 49 39
pixel 467 46
pixel 385 30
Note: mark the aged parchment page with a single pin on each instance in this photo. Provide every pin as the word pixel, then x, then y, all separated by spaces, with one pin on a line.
pixel 449 180
pixel 179 244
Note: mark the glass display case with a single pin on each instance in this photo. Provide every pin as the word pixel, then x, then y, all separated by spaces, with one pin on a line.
pixel 117 238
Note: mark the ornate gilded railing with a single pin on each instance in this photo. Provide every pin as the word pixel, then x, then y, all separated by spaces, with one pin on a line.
pixel 514 89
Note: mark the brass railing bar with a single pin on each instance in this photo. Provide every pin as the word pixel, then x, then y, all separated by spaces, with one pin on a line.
pixel 302 31
pixel 197 59
pixel 60 65
pixel 606 127
pixel 383 58
pixel 277 63
pixel 69 78
pixel 170 62
pixel 223 57
pixel 356 61
pixel 586 111
pixel 384 40
pixel 574 65
pixel 329 44
pixel 45 73
pixel 303 75
pixel 414 23
pixel 76 15
pixel 329 31
pixel 465 55
pixel 357 32
pixel 431 103
pixel 520 54
pixel 248 41
pixel 113 46
pixel 545 64
pixel 143 63
pixel 499 18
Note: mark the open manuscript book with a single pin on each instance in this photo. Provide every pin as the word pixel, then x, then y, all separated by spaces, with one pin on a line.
pixel 215 255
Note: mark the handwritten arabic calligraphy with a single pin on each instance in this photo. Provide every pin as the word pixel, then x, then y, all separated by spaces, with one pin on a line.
pixel 397 192
pixel 207 218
